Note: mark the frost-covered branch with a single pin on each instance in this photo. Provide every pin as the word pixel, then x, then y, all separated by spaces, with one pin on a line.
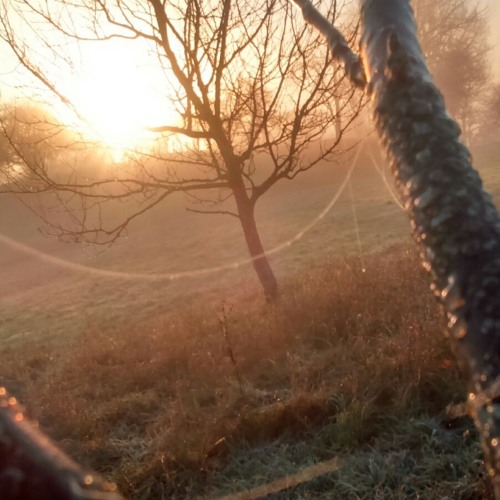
pixel 32 467
pixel 336 41
pixel 453 218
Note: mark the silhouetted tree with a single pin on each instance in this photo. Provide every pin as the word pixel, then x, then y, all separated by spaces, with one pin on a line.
pixel 454 39
pixel 490 130
pixel 243 90
pixel 32 141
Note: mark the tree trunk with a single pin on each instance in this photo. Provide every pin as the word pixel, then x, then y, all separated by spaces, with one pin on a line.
pixel 260 260
pixel 454 219
pixel 245 208
pixel 246 213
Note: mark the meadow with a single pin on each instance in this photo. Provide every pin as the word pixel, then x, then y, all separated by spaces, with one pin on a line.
pixel 192 386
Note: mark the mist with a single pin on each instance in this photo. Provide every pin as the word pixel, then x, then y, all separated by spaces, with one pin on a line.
pixel 494 6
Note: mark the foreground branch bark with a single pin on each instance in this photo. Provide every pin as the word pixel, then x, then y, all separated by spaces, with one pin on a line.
pixel 32 468
pixel 452 217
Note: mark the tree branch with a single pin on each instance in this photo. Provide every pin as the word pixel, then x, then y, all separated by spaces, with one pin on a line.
pixel 336 41
pixel 213 212
pixel 195 134
pixel 33 467
pixel 453 218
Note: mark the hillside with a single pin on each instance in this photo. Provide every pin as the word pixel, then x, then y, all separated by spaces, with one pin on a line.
pixel 187 386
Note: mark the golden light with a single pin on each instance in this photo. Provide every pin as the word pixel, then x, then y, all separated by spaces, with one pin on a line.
pixel 116 92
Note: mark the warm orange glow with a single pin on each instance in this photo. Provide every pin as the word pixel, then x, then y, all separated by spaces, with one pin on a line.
pixel 116 92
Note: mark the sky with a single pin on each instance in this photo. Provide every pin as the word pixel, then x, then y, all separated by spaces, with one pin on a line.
pixel 495 36
pixel 9 68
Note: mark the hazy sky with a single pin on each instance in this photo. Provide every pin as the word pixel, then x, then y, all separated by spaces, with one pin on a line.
pixel 8 67
pixel 495 31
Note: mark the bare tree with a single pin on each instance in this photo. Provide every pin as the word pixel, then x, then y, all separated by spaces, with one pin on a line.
pixel 454 39
pixel 242 87
pixel 454 220
pixel 490 130
pixel 30 135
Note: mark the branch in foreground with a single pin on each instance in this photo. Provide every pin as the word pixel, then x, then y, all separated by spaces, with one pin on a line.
pixel 32 468
pixel 453 218
pixel 213 212
pixel 336 41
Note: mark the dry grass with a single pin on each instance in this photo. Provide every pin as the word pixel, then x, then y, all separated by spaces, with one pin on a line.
pixel 348 363
pixel 143 382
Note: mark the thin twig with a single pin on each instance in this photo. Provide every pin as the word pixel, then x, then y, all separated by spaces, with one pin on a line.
pixel 223 316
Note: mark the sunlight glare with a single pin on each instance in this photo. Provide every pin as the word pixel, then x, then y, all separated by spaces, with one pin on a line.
pixel 115 93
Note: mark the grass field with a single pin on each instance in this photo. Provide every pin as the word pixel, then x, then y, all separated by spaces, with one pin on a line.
pixel 171 240
pixel 195 387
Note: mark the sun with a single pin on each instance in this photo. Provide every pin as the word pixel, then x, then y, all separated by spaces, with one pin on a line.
pixel 117 93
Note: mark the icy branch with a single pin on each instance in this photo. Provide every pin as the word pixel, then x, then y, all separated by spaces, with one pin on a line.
pixel 336 41
pixel 453 218
pixel 32 467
